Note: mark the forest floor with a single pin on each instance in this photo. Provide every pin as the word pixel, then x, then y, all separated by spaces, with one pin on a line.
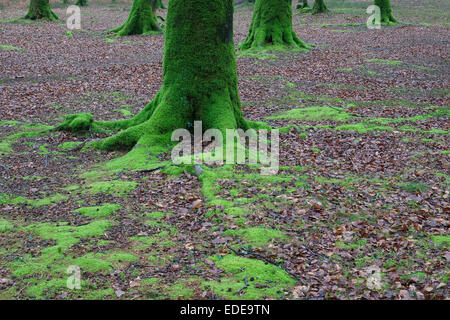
pixel 359 208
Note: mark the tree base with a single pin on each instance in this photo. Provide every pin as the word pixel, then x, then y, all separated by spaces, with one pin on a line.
pixel 81 3
pixel 141 20
pixel 389 20
pixel 42 12
pixel 319 7
pixel 272 27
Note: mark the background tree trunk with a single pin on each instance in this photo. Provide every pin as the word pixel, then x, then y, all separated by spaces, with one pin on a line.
pixel 319 7
pixel 302 4
pixel 81 3
pixel 272 25
pixel 386 11
pixel 40 9
pixel 141 20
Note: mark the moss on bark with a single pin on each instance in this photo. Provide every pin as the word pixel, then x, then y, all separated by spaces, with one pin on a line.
pixel 319 7
pixel 386 11
pixel 302 4
pixel 161 5
pixel 141 20
pixel 199 81
pixel 40 9
pixel 272 26
pixel 81 3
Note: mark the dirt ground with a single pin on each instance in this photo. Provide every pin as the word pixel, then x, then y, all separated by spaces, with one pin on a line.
pixel 359 208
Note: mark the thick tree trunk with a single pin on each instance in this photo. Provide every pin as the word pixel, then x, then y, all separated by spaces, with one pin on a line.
pixel 141 20
pixel 81 3
pixel 40 9
pixel 386 11
pixel 272 26
pixel 199 80
pixel 319 7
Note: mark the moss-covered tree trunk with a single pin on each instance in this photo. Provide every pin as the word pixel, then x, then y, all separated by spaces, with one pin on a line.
pixel 81 3
pixel 40 9
pixel 199 80
pixel 319 7
pixel 161 5
pixel 302 4
pixel 141 20
pixel 386 11
pixel 272 25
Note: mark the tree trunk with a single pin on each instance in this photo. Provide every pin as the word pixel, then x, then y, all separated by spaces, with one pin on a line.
pixel 199 80
pixel 272 26
pixel 161 5
pixel 319 7
pixel 40 9
pixel 386 11
pixel 302 4
pixel 141 20
pixel 81 3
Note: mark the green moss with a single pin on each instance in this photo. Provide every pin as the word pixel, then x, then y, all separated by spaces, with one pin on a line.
pixel 256 236
pixel 441 239
pixel 5 148
pixel 124 112
pixel 414 187
pixel 272 26
pixel 54 259
pixel 180 290
pixel 314 114
pixel 8 47
pixel 363 127
pixel 69 145
pixel 99 211
pixel 351 245
pixel 5 225
pixel 48 287
pixel 121 257
pixel 17 200
pixel 118 187
pixel 99 294
pixel 269 281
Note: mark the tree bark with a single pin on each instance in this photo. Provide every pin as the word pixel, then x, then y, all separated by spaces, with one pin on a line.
pixel 199 80
pixel 141 20
pixel 161 5
pixel 81 3
pixel 272 26
pixel 319 7
pixel 40 9
pixel 302 4
pixel 386 11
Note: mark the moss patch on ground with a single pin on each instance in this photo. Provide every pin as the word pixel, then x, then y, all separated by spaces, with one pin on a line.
pixel 264 280
pixel 99 211
pixel 257 236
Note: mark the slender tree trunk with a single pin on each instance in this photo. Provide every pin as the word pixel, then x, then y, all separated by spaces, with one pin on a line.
pixel 386 11
pixel 199 80
pixel 81 3
pixel 319 7
pixel 141 20
pixel 161 5
pixel 272 25
pixel 40 9
pixel 302 4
